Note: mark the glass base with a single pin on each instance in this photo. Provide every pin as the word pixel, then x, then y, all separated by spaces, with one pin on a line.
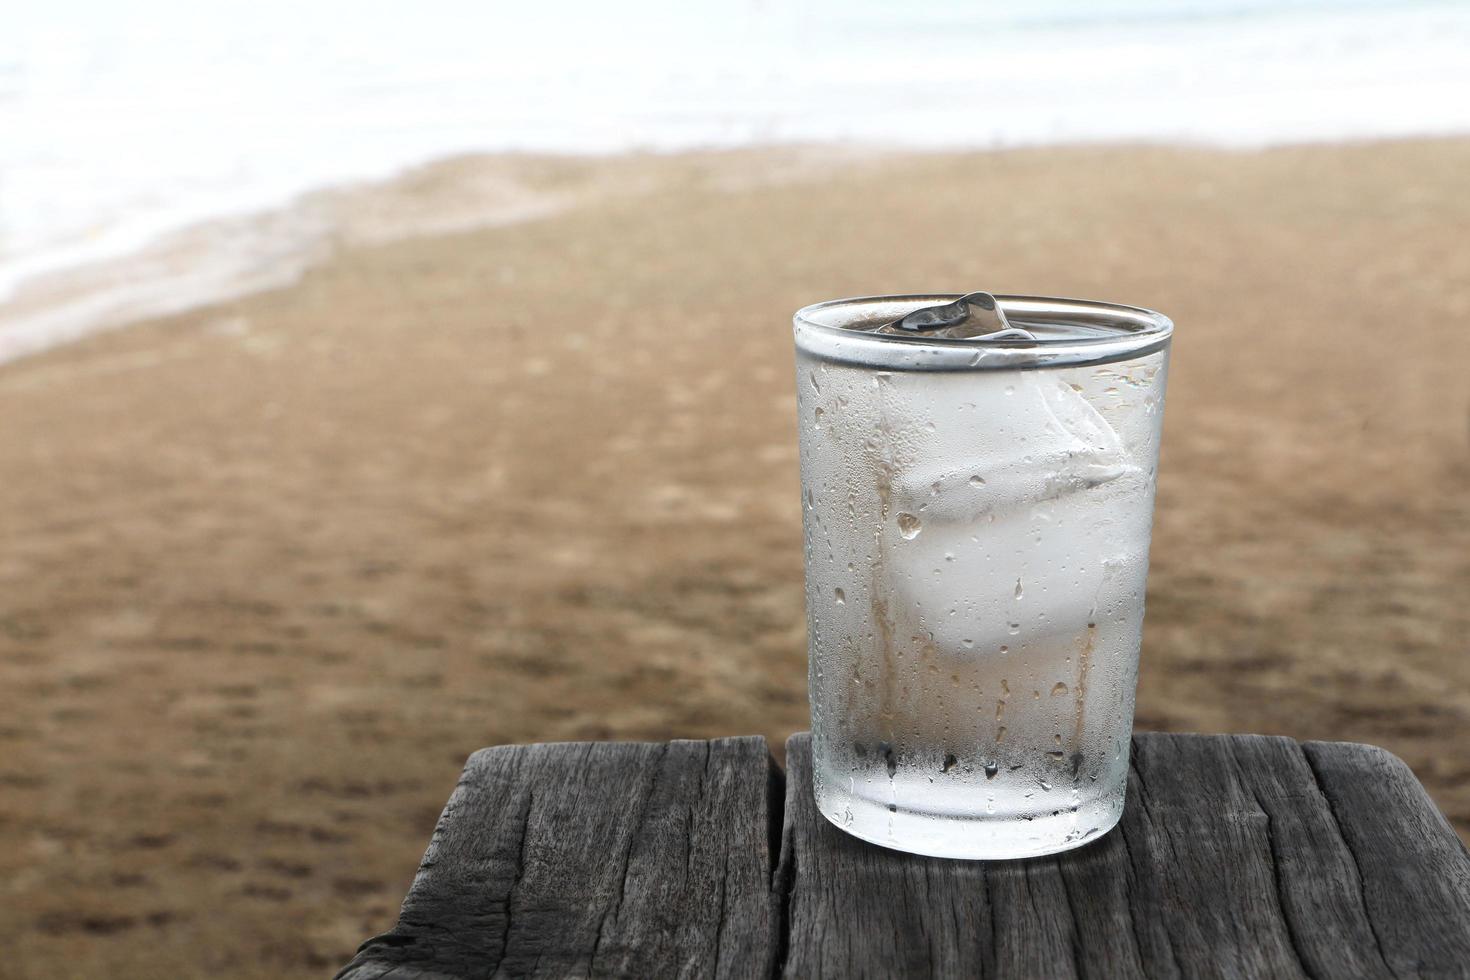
pixel 977 837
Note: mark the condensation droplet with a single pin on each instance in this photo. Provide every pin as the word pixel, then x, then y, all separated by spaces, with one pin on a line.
pixel 909 526
pixel 815 387
pixel 1058 689
pixel 811 500
pixel 1019 591
pixel 817 414
pixel 841 596
pixel 977 481
pixel 991 768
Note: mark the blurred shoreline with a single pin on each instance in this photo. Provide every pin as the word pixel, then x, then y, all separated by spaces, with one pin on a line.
pixel 228 257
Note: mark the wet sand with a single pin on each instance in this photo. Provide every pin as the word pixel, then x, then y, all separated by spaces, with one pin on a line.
pixel 270 570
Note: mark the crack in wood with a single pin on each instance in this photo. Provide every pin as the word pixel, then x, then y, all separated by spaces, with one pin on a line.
pixel 1128 889
pixel 783 884
pixel 720 915
pixel 1357 866
pixel 1079 961
pixel 1152 832
pixel 1278 887
pixel 520 872
pixel 988 963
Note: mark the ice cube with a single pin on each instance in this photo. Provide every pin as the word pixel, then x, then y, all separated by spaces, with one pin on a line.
pixel 1017 488
pixel 1035 440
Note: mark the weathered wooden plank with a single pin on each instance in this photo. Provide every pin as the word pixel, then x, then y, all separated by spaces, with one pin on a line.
pixel 579 859
pixel 1317 884
pixel 1237 856
pixel 1228 863
pixel 1413 871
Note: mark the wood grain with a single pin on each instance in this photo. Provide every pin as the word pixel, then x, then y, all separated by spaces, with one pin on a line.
pixel 1237 856
pixel 594 860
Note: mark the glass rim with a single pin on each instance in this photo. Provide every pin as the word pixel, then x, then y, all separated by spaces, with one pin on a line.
pixel 1104 332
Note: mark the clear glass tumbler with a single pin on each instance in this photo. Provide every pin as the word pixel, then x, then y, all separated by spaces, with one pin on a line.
pixel 977 513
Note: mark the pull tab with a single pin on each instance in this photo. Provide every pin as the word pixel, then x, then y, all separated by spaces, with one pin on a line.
pixel 977 315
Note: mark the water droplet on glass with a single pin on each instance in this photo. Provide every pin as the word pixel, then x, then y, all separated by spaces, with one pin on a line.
pixel 968 643
pixel 841 596
pixel 1010 389
pixel 817 417
pixel 1058 689
pixel 1015 628
pixel 909 526
pixel 1019 591
pixel 949 762
pixel 976 481
pixel 991 768
pixel 811 501
pixel 815 387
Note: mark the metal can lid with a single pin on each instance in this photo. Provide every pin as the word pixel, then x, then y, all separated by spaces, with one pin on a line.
pixel 977 331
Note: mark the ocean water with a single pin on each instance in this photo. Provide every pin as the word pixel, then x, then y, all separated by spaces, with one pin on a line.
pixel 120 123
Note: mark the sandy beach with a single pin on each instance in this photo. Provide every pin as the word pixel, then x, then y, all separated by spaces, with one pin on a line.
pixel 270 569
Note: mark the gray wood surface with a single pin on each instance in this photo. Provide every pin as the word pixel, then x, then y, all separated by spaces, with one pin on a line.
pixel 1237 856
pixel 595 859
